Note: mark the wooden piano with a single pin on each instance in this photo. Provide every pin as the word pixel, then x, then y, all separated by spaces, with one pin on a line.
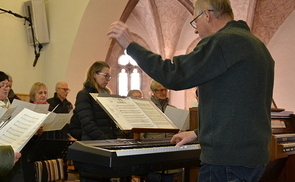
pixel 283 138
pixel 281 167
pixel 126 157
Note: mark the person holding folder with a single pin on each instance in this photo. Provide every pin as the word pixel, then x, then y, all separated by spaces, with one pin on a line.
pixel 8 157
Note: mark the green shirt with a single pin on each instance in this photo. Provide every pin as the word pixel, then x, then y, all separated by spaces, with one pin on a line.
pixel 234 73
pixel 7 159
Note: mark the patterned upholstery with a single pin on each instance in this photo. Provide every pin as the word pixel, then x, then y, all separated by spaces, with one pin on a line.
pixel 49 170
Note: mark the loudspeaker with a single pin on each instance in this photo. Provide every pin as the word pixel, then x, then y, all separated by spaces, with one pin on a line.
pixel 35 10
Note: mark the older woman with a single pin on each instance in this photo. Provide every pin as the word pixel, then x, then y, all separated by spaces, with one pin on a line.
pixel 4 90
pixel 7 155
pixel 39 93
pixel 159 97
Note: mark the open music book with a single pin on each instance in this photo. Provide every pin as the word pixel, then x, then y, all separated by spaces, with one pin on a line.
pixel 131 113
pixel 19 130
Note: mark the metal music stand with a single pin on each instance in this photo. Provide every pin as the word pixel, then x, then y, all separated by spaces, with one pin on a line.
pixel 48 149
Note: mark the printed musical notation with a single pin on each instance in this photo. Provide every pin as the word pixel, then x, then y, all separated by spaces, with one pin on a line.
pixel 21 128
pixel 131 113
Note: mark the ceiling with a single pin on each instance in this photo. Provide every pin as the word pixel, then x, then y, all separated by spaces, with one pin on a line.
pixel 152 21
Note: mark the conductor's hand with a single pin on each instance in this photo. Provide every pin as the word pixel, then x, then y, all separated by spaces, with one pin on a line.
pixel 120 32
pixel 183 138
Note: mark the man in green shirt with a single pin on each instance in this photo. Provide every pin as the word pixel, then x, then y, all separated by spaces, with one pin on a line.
pixel 234 73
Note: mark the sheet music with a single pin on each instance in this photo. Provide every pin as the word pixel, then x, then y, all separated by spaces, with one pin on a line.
pixel 131 113
pixel 56 121
pixel 40 108
pixel 149 108
pixel 21 129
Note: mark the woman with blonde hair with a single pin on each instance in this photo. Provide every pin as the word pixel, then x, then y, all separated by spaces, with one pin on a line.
pixel 39 93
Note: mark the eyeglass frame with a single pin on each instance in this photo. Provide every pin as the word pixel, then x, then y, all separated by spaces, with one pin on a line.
pixel 65 89
pixel 194 20
pixel 107 76
pixel 5 86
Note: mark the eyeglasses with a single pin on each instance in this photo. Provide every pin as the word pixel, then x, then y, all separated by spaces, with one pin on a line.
pixel 161 90
pixel 193 22
pixel 5 86
pixel 65 89
pixel 108 77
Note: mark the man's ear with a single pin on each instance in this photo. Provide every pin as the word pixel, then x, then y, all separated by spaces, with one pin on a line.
pixel 208 15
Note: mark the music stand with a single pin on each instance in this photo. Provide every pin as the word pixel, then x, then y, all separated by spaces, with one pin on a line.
pixel 48 149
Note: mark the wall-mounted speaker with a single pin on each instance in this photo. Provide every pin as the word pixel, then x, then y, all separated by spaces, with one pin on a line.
pixel 35 10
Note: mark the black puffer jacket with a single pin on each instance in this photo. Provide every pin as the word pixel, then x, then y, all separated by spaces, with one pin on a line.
pixel 94 121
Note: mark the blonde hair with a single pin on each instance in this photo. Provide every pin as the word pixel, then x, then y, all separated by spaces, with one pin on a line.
pixel 221 7
pixel 154 85
pixel 35 87
pixel 96 67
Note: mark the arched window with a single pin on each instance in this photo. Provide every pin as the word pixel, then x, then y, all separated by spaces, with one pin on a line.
pixel 129 76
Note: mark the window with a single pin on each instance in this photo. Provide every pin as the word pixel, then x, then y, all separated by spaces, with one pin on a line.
pixel 129 75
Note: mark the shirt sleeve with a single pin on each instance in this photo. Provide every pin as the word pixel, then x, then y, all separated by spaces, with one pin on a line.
pixel 7 159
pixel 203 64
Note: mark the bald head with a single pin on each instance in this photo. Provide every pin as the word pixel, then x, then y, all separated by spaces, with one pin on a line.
pixel 62 90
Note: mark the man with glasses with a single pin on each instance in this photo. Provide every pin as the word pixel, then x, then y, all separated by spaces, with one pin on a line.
pixel 234 73
pixel 59 104
pixel 59 101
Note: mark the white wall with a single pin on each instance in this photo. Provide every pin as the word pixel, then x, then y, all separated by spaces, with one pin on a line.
pixel 76 41
pixel 282 48
pixel 17 55
pixel 91 42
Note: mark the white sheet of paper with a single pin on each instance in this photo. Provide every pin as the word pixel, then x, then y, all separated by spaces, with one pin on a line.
pixel 40 108
pixel 179 117
pixel 6 113
pixel 56 121
pixel 21 129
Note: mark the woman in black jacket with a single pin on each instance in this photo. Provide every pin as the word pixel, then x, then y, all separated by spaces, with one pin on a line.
pixel 94 121
pixel 90 121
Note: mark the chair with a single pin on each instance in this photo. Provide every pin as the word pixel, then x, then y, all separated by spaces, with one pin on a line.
pixel 49 158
